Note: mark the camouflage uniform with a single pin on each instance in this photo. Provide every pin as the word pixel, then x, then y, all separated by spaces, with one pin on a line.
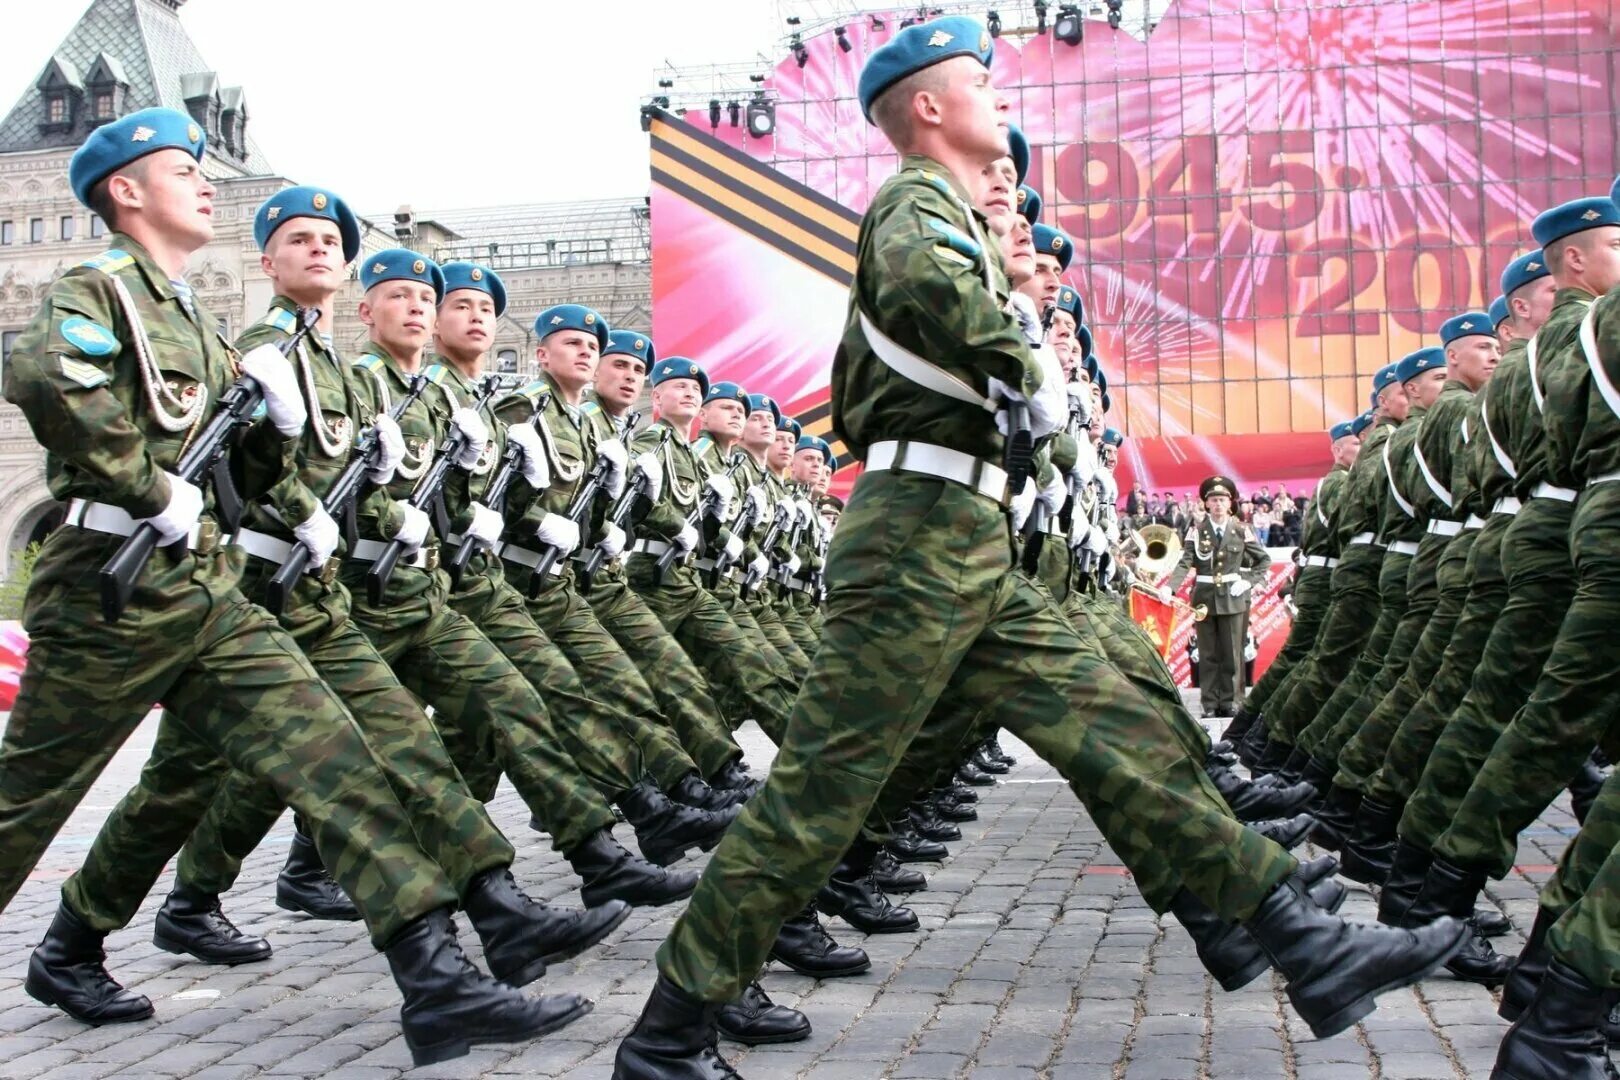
pixel 924 602
pixel 189 638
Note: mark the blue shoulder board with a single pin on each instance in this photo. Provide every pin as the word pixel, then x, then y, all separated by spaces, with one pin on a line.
pixel 281 319
pixel 937 180
pixel 701 446
pixel 536 391
pixel 110 261
pixel 590 408
pixel 370 361
pixel 959 242
pixel 435 374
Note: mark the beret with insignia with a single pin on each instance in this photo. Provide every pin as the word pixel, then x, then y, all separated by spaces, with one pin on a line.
pixel 1111 437
pixel 1218 485
pixel 1029 203
pixel 726 391
pixel 401 264
pixel 113 145
pixel 819 445
pixel 1362 422
pixel 1068 300
pixel 297 202
pixel 1531 266
pixel 920 46
pixel 1416 363
pixel 1342 430
pixel 572 317
pixel 1573 217
pixel 679 367
pixel 1467 324
pixel 1382 378
pixel 787 423
pixel 1054 242
pixel 1499 312
pixel 1019 147
pixel 631 343
pixel 831 500
pixel 1082 336
pixel 761 403
pixel 469 275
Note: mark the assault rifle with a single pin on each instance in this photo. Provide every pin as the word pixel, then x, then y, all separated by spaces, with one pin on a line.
pixel 707 506
pixel 639 487
pixel 779 521
pixel 205 457
pixel 578 509
pixel 495 498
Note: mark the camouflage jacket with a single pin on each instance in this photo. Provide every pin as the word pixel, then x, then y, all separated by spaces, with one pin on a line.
pixel 1583 427
pixel 1556 343
pixel 1398 515
pixel 1431 475
pixel 683 480
pixel 1364 487
pixel 1503 403
pixel 1318 536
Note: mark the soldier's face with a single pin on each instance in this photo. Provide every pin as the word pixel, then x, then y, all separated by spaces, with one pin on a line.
pixel 973 114
pixel 570 357
pixel 823 480
pixel 760 430
pixel 619 378
pixel 1532 303
pixel 1346 450
pixel 678 399
pixel 994 199
pixel 174 199
pixel 400 315
pixel 829 514
pixel 806 466
pixel 1600 257
pixel 1047 280
pixel 466 324
pixel 1392 400
pixel 1018 252
pixel 725 418
pixel 1425 388
pixel 781 454
pixel 305 258
pixel 1062 330
pixel 1474 358
pixel 1219 507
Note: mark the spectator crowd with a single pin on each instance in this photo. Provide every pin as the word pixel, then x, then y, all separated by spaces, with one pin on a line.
pixel 1277 519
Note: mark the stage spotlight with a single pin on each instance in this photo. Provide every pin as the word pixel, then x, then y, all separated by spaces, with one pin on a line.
pixel 878 23
pixel 734 111
pixel 1040 16
pixel 993 22
pixel 843 38
pixel 666 84
pixel 1113 20
pixel 800 53
pixel 1070 27
pixel 714 112
pixel 761 117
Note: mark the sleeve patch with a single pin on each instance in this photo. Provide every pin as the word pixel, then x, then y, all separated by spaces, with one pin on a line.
pixel 110 261
pixel 281 319
pixel 90 338
pixel 82 372
pixel 956 240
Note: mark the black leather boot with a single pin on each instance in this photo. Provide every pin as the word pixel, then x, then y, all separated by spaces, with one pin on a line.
pixel 674 1039
pixel 1224 948
pixel 666 830
pixel 1336 968
pixel 1335 817
pixel 305 886
pixel 1491 922
pixel 1449 889
pixel 68 970
pixel 1293 770
pixel 1252 802
pixel 1408 868
pixel 804 945
pixel 1272 758
pixel 692 791
pixel 1561 1035
pixel 450 1006
pixel 891 877
pixel 1288 833
pixel 988 764
pixel 947 808
pixel 1327 892
pixel 961 792
pixel 1252 747
pixel 1242 721
pixel 1583 790
pixel 925 819
pixel 736 777
pixel 1319 773
pixel 974 776
pixel 853 895
pixel 992 746
pixel 1525 977
pixel 610 874
pixel 521 936
pixel 1368 853
pixel 908 847
pixel 755 1020
pixel 191 922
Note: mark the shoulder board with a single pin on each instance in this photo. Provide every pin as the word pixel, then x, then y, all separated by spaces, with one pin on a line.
pixel 590 408
pixel 110 261
pixel 281 319
pixel 370 361
pixel 958 241
pixel 701 446
pixel 935 179
pixel 435 374
pixel 536 391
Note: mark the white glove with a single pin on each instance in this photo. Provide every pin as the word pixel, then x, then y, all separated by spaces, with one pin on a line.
pixel 1080 401
pixel 1022 504
pixel 734 548
pixel 1054 491
pixel 472 426
pixel 1109 486
pixel 1085 461
pixel 414 529
pixel 1165 594
pixel 1238 587
pixel 390 450
pixel 792 565
pixel 1097 540
pixel 486 526
pixel 807 513
pixel 536 469
pixel 266 366
pixel 722 486
pixel 612 544
pixel 1029 319
pixel 320 534
pixel 687 538
pixel 755 497
pixel 559 532
pixel 649 465
pixel 175 520
pixel 760 568
pixel 618 459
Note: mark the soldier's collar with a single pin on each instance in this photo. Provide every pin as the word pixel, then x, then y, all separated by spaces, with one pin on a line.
pixel 157 279
pixel 680 433
pixel 937 173
pixel 374 349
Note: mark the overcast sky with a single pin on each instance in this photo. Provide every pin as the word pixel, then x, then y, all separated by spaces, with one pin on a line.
pixel 441 105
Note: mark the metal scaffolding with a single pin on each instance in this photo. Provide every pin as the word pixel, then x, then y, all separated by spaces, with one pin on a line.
pixel 541 235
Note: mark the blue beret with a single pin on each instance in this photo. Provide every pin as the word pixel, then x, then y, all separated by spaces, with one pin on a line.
pixel 1522 271
pixel 679 367
pixel 1083 336
pixel 402 264
pixel 726 391
pixel 466 275
pixel 787 423
pixel 1572 217
pixel 1341 430
pixel 1614 192
pixel 1499 312
pixel 920 46
pixel 113 145
pixel 811 442
pixel 630 343
pixel 1414 364
pixel 571 317
pixel 1466 325
pixel 1383 377
pixel 1107 402
pixel 1091 365
pixel 1112 437
pixel 1069 300
pixel 1054 242
pixel 1029 203
pixel 1362 422
pixel 1019 146
pixel 297 202
pixel 1099 377
pixel 761 403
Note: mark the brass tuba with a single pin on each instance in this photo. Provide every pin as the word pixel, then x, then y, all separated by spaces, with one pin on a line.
pixel 1158 551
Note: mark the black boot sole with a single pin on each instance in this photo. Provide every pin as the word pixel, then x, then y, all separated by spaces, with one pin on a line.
pixel 836 911
pixel 45 997
pixel 763 1040
pixel 568 952
pixel 1362 1006
pixel 823 973
pixel 1244 976
pixel 296 908
pixel 597 899
pixel 179 947
pixel 902 889
pixel 449 1049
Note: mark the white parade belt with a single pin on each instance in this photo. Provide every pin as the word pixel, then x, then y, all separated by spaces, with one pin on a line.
pixel 105 518
pixel 1441 527
pixel 1545 490
pixel 1367 538
pixel 425 557
pixel 1404 547
pixel 1604 479
pixel 1321 560
pixel 1507 505
pixel 983 477
pixel 524 557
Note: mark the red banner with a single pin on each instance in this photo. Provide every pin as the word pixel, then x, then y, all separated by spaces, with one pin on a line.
pixel 1269 622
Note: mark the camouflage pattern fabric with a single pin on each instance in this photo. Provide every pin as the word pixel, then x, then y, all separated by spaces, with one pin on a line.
pixel 1585 894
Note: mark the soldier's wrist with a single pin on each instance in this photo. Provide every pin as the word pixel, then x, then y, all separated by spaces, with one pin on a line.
pixel 153 500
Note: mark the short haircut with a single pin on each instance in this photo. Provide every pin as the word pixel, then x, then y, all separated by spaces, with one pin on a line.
pixel 101 200
pixel 892 111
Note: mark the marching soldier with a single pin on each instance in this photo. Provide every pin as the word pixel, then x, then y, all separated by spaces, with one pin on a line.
pixel 1228 562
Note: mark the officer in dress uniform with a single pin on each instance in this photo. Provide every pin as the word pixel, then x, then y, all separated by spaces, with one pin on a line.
pixel 1229 562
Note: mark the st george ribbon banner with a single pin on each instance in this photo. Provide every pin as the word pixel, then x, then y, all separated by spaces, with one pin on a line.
pixel 1172 629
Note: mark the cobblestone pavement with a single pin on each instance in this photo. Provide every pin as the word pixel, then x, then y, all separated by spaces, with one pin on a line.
pixel 1036 959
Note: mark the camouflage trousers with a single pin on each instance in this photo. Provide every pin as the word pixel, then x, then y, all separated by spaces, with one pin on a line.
pixel 1436 588
pixel 1439 693
pixel 745 687
pixel 1572 704
pixel 1325 736
pixel 1534 554
pixel 1312 589
pixel 801 615
pixel 232 679
pixel 771 620
pixel 682 693
pixel 1585 894
pixel 924 603
pixel 1351 613
pixel 764 629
